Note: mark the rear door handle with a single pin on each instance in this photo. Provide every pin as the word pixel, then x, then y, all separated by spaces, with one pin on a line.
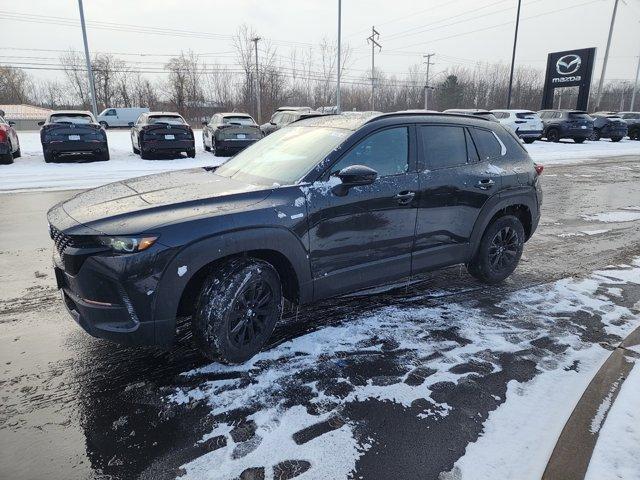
pixel 404 198
pixel 485 184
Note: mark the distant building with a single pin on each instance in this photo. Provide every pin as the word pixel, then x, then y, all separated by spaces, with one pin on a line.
pixel 25 116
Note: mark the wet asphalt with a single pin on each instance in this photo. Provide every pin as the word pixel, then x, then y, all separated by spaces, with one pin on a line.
pixel 76 407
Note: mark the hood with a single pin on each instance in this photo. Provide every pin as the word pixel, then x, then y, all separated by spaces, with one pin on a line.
pixel 140 204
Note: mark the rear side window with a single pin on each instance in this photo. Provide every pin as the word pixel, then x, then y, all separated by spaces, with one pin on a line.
pixel 579 116
pixel 443 146
pixel 386 151
pixel 526 115
pixel 487 144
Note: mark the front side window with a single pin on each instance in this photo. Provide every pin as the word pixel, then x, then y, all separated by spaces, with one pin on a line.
pixel 386 151
pixel 111 112
pixel 487 143
pixel 443 146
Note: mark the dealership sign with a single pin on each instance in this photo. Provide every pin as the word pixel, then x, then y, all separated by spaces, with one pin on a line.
pixel 571 68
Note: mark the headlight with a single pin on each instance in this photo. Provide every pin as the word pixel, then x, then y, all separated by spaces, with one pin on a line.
pixel 127 244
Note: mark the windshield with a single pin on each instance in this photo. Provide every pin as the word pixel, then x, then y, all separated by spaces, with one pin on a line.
pixel 285 156
pixel 238 120
pixel 166 119
pixel 71 118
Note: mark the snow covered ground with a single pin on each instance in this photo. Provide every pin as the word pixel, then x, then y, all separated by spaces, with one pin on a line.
pixel 307 396
pixel 30 172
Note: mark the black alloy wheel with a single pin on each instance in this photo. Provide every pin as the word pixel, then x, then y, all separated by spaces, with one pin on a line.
pixel 250 312
pixel 503 252
pixel 553 135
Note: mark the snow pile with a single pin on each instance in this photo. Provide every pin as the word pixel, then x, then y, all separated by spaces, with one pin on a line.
pixel 398 355
pixel 613 217
pixel 30 172
pixel 618 448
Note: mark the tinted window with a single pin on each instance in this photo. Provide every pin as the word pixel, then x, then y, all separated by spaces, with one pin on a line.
pixel 501 114
pixel 238 120
pixel 387 152
pixel 579 116
pixel 487 144
pixel 71 118
pixel 170 119
pixel 443 146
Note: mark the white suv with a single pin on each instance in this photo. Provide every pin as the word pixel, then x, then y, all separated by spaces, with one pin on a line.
pixel 525 123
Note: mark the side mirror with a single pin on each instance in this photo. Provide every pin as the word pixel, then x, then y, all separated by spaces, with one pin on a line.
pixel 355 175
pixel 131 124
pixel 12 123
pixel 205 122
pixel 40 123
pixel 272 123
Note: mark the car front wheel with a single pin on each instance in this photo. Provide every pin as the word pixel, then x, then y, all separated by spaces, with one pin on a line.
pixel 499 251
pixel 237 309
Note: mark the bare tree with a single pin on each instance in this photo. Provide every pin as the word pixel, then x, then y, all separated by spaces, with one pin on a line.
pixel 15 85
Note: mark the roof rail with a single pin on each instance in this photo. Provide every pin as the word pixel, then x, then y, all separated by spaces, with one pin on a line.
pixel 426 114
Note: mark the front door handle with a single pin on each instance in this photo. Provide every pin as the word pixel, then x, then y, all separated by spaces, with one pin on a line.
pixel 404 198
pixel 485 184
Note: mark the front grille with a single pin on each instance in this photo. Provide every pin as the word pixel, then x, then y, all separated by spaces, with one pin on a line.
pixel 62 241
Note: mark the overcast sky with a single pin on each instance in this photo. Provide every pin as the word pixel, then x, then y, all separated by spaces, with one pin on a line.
pixel 459 32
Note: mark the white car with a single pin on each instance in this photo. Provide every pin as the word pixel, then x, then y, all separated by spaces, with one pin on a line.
pixel 524 123
pixel 120 117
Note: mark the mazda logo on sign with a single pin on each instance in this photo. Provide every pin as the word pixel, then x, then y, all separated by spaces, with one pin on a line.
pixel 568 64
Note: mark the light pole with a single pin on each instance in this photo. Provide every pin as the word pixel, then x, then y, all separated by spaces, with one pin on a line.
pixel 635 87
pixel 606 56
pixel 92 87
pixel 339 51
pixel 255 41
pixel 513 55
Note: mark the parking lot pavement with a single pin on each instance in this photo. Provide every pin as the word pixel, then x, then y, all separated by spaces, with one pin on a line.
pixel 438 379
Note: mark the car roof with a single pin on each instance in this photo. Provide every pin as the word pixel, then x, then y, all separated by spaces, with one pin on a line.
pixel 567 110
pixel 72 112
pixel 167 114
pixel 234 114
pixel 355 120
pixel 467 110
pixel 512 110
pixel 292 109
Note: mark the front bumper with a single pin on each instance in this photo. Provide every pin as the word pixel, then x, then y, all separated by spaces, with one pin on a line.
pixel 112 296
pixel 75 147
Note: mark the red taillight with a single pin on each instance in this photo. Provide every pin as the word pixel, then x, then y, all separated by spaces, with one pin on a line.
pixel 3 135
pixel 539 169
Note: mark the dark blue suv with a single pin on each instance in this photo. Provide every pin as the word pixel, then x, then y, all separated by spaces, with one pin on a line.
pixel 559 124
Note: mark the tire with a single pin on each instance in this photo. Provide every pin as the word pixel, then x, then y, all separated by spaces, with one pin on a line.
pixel 49 157
pixel 217 152
pixel 226 326
pixel 616 139
pixel 17 153
pixel 579 140
pixel 634 134
pixel 135 150
pixel 6 159
pixel 529 141
pixel 207 149
pixel 553 135
pixel 191 153
pixel 595 136
pixel 506 232
pixel 105 125
pixel 144 154
pixel 103 157
pixel 204 144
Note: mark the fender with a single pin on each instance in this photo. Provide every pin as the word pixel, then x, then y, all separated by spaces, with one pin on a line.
pixel 191 258
pixel 525 195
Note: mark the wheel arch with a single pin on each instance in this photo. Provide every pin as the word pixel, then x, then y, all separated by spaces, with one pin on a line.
pixel 521 203
pixel 182 277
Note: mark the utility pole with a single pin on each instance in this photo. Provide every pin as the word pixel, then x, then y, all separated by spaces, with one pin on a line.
pixel 92 85
pixel 339 51
pixel 255 40
pixel 426 83
pixel 606 56
pixel 373 40
pixel 513 55
pixel 635 87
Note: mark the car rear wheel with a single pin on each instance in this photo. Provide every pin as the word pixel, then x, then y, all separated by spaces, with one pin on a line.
pixel 102 156
pixel 237 309
pixel 191 153
pixel 499 251
pixel 49 157
pixel 105 125
pixel 579 140
pixel 616 139
pixel 595 136
pixel 17 153
pixel 6 158
pixel 529 140
pixel 553 135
